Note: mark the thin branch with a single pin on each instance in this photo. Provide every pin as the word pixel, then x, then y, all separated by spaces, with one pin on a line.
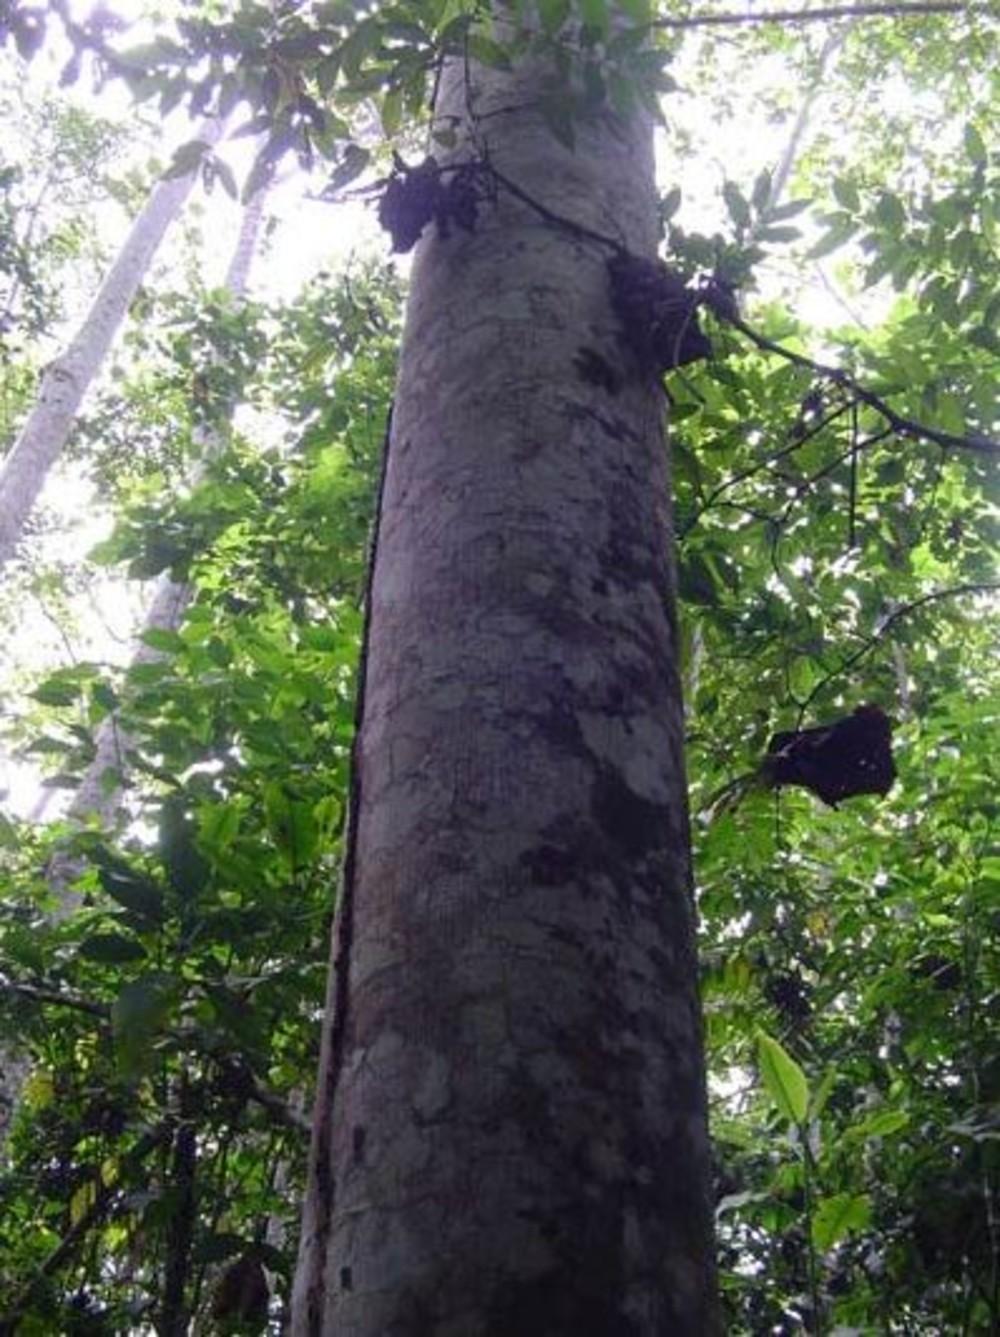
pixel 835 40
pixel 904 610
pixel 900 10
pixel 758 466
pixel 901 425
pixel 56 997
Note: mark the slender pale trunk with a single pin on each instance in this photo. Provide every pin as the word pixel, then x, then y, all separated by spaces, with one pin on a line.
pixel 509 1133
pixel 67 377
pixel 99 793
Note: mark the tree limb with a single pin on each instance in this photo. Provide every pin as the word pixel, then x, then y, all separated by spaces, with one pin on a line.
pixel 55 996
pixel 904 610
pixel 901 10
pixel 902 426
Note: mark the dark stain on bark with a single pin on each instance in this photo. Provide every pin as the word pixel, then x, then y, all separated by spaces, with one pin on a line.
pixel 635 824
pixel 550 866
pixel 358 1137
pixel 595 369
pixel 557 1304
pixel 618 429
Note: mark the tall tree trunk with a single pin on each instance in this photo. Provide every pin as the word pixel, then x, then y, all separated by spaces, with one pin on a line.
pixel 97 795
pixel 67 377
pixel 509 1132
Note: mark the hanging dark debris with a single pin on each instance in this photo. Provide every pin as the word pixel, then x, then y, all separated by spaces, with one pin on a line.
pixel 415 196
pixel 853 755
pixel 658 313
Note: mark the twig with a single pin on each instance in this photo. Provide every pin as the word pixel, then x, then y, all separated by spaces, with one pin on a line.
pixel 758 466
pixel 56 997
pixel 902 611
pixel 901 10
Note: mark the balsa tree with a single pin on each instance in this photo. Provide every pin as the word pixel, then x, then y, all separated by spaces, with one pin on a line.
pixel 510 1128
pixel 67 377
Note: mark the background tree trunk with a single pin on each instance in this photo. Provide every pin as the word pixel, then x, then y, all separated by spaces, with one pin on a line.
pixel 67 378
pixel 99 796
pixel 510 1131
pixel 96 796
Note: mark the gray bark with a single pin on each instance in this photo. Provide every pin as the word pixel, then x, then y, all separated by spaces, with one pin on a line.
pixel 509 1134
pixel 67 377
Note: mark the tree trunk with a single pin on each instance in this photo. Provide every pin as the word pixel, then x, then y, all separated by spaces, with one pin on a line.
pixel 99 796
pixel 67 377
pixel 509 1135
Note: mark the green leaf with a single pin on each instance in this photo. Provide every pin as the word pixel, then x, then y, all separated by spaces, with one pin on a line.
pixel 670 203
pixel 488 52
pixel 594 14
pixel 884 1123
pixel 112 948
pixel 392 111
pixel 639 10
pixel 64 686
pixel 9 839
pixel 783 1079
pixel 627 42
pixel 788 210
pixel 292 824
pixel 761 191
pixel 889 211
pixel 354 162
pixel 696 581
pixel 138 1015
pixel 837 1216
pixel 186 159
pixel 219 825
pixel 132 890
pixel 186 869
pixel 357 45
pixel 226 176
pixel 841 229
pixel 845 192
pixel 974 145
pixel 553 14
pixel 739 210
pixel 163 639
pixel 777 234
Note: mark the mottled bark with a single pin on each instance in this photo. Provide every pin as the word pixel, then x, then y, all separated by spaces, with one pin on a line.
pixel 67 377
pixel 510 1132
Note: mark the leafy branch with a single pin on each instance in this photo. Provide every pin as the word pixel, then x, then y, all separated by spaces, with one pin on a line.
pixel 101 1204
pixel 901 425
pixel 870 642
